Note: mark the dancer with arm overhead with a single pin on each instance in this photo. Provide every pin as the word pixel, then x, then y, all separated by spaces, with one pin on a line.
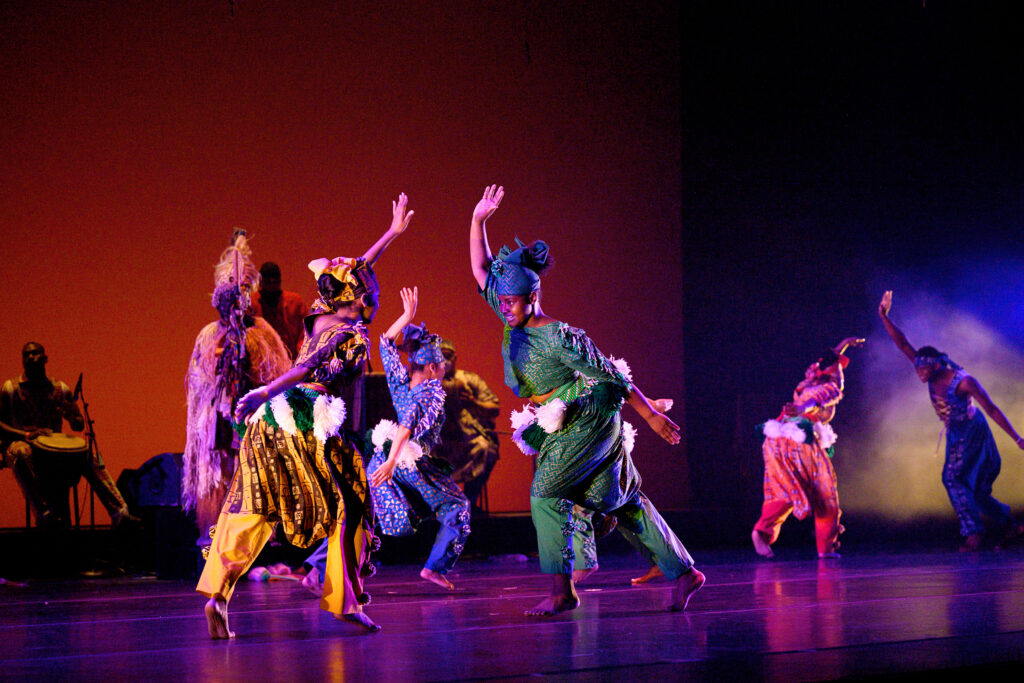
pixel 297 466
pixel 573 422
pixel 972 459
pixel 410 483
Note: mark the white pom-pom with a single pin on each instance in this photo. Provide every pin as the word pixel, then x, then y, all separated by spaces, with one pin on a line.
pixel 283 414
pixel 522 419
pixel 825 434
pixel 407 457
pixel 793 432
pixel 772 429
pixel 622 366
pixel 383 432
pixel 328 416
pixel 517 439
pixel 551 415
pixel 628 437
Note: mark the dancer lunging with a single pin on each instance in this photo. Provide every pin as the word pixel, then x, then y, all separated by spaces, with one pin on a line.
pixel 972 459
pixel 409 483
pixel 573 424
pixel 798 473
pixel 297 466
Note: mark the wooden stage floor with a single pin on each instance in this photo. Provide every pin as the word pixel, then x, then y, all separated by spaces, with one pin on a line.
pixel 866 615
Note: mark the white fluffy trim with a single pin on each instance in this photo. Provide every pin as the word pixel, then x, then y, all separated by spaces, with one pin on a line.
pixel 283 414
pixel 521 419
pixel 328 415
pixel 773 429
pixel 384 431
pixel 825 434
pixel 551 415
pixel 622 366
pixel 629 436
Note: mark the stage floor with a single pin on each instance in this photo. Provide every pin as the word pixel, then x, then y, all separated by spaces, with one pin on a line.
pixel 781 620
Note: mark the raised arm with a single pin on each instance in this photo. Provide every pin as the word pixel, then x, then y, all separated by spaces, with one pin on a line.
pixel 841 347
pixel 410 298
pixel 897 335
pixel 479 250
pixel 399 222
pixel 978 393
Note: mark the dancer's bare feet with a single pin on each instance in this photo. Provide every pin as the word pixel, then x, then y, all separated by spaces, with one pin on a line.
pixel 433 577
pixel 972 544
pixel 686 585
pixel 360 619
pixel 552 605
pixel 580 575
pixel 652 573
pixel 311 582
pixel 217 618
pixel 761 545
pixel 562 599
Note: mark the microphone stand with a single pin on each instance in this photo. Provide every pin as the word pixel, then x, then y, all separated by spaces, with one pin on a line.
pixel 90 434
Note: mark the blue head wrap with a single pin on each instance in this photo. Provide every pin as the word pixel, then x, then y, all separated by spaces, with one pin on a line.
pixel 518 272
pixel 422 346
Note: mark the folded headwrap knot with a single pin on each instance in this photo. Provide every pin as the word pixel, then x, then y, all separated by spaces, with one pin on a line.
pixel 355 274
pixel 518 270
pixel 422 346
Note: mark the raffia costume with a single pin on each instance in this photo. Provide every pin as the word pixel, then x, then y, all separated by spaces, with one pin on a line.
pixel 299 467
pixel 580 441
pixel 231 356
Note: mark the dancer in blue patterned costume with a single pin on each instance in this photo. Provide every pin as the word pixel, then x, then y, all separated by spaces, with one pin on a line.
pixel 582 445
pixel 411 484
pixel 972 459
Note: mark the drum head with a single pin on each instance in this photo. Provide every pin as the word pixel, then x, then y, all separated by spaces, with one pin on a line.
pixel 60 442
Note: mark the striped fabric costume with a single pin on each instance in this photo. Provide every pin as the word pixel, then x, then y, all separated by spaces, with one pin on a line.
pixel 421 486
pixel 298 467
pixel 798 473
pixel 581 443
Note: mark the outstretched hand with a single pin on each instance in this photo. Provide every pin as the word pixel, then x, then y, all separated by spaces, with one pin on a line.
pixel 886 304
pixel 399 217
pixel 410 299
pixel 488 204
pixel 248 404
pixel 664 427
pixel 383 474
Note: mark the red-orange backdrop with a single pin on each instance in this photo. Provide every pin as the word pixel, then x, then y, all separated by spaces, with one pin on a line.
pixel 135 136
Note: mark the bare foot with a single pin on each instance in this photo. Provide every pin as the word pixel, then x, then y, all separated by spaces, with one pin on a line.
pixel 580 575
pixel 552 605
pixel 217 618
pixel 761 545
pixel 311 582
pixel 972 544
pixel 652 573
pixel 686 585
pixel 433 577
pixel 360 619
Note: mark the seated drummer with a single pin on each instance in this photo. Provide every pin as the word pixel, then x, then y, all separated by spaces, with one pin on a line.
pixel 32 405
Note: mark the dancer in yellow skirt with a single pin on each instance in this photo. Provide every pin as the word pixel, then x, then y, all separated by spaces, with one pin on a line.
pixel 297 466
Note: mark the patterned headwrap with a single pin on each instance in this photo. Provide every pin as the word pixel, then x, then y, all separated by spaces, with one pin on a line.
pixel 518 271
pixel 927 356
pixel 423 347
pixel 356 276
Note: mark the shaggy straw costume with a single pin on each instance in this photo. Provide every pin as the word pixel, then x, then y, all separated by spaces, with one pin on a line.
pixel 251 355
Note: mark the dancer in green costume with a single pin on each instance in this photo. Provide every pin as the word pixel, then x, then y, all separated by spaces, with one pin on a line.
pixel 573 424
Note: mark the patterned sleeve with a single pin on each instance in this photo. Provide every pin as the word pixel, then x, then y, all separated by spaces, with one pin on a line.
pixel 579 353
pixel 395 372
pixel 490 292
pixel 823 395
pixel 341 358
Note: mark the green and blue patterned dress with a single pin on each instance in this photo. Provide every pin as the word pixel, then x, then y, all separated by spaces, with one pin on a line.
pixel 582 446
